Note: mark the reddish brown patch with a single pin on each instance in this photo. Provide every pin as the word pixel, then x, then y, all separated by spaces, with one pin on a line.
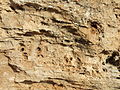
pixel 93 31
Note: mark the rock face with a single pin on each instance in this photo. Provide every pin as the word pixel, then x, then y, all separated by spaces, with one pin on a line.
pixel 59 44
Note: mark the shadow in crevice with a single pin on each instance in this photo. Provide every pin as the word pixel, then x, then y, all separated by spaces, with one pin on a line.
pixel 71 30
pixel 96 25
pixel 15 6
pixel 14 68
pixel 114 59
pixel 83 41
pixel 29 82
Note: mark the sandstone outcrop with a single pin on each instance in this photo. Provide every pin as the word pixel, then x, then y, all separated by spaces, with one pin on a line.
pixel 59 44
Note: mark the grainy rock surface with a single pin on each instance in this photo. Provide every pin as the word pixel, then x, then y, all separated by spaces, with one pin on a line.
pixel 59 44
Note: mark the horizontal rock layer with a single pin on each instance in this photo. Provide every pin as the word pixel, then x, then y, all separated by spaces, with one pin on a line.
pixel 59 44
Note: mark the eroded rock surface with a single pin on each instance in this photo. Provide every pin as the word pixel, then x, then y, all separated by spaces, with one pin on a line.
pixel 60 44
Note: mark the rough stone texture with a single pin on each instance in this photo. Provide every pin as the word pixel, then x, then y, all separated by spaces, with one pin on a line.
pixel 59 44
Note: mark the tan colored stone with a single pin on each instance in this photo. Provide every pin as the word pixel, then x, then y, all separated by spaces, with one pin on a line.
pixel 59 44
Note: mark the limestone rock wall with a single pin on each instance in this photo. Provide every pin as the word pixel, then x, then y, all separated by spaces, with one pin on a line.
pixel 59 44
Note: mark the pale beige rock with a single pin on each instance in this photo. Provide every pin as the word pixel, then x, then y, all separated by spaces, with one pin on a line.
pixel 59 45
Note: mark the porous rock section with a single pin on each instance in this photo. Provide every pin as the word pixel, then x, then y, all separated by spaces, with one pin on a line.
pixel 59 44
